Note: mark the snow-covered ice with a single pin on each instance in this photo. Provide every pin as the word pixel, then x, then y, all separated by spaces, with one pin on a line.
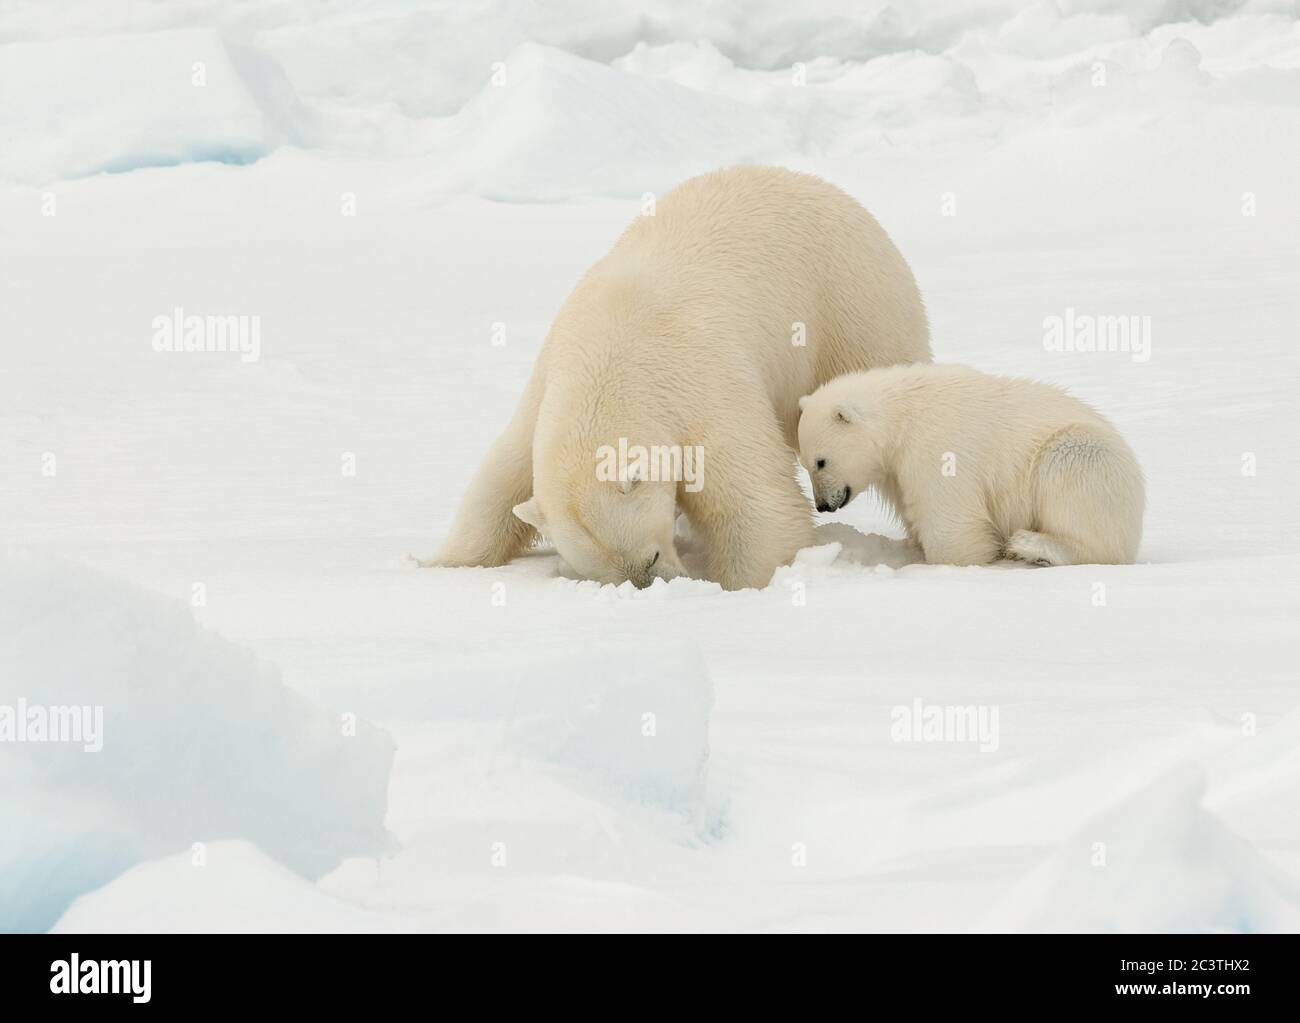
pixel 110 104
pixel 1029 159
pixel 234 888
pixel 1159 862
pixel 182 738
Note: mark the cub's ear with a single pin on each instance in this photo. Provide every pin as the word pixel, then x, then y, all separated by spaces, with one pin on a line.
pixel 803 402
pixel 529 512
pixel 847 414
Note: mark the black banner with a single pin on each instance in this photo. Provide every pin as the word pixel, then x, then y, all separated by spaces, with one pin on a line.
pixel 166 973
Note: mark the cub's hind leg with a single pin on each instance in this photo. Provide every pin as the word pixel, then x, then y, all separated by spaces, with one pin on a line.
pixel 1089 501
pixel 1037 548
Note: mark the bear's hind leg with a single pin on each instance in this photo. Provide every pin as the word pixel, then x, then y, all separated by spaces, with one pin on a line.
pixel 486 531
pixel 1037 548
pixel 1090 499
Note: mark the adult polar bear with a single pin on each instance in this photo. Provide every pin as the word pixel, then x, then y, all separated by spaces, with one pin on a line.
pixel 688 333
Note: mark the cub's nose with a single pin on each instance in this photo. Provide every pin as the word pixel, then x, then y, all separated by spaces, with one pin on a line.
pixel 822 506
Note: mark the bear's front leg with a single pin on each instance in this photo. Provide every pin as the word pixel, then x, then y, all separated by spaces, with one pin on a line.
pixel 750 512
pixel 951 540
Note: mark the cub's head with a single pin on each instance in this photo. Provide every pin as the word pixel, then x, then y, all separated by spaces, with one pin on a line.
pixel 610 531
pixel 841 454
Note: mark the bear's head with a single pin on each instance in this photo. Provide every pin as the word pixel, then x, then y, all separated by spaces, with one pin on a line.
pixel 841 453
pixel 609 530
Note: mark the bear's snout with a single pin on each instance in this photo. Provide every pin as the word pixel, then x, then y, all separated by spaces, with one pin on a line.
pixel 645 575
pixel 835 501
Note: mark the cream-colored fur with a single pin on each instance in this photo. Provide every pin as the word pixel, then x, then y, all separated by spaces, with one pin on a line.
pixel 977 467
pixel 685 335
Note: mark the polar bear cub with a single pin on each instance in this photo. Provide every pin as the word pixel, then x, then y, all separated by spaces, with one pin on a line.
pixel 976 466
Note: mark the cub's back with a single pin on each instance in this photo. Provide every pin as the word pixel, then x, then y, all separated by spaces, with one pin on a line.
pixel 993 425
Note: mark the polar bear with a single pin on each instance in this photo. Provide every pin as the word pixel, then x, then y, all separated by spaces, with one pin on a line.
pixel 977 467
pixel 699 331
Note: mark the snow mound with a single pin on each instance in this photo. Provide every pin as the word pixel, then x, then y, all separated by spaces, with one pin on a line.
pixel 554 126
pixel 869 549
pixel 1257 776
pixel 843 551
pixel 232 887
pixel 197 741
pixel 631 716
pixel 1157 863
pixel 634 720
pixel 74 107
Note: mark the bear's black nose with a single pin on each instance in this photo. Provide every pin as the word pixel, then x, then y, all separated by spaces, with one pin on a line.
pixel 823 507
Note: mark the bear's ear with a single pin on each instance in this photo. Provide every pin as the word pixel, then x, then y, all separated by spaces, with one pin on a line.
pixel 803 402
pixel 529 512
pixel 846 414
pixel 631 478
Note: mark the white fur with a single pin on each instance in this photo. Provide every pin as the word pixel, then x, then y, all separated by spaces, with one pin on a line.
pixel 682 335
pixel 1035 474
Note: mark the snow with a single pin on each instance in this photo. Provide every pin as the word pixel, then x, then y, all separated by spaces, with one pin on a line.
pixel 624 723
pixel 117 103
pixel 510 142
pixel 1157 862
pixel 502 775
pixel 193 741
pixel 232 888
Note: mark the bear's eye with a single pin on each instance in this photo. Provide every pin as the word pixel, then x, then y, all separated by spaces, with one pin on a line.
pixel 821 463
